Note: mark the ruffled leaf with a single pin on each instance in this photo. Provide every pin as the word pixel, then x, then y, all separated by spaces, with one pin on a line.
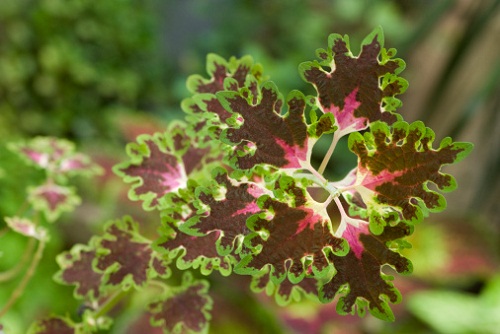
pixel 286 291
pixel 290 237
pixel 229 204
pixel 155 169
pixel 53 199
pixel 124 256
pixel 193 251
pixel 261 135
pixel 356 90
pixel 161 164
pixel 224 75
pixel 185 309
pixel 395 167
pixel 77 269
pixel 359 279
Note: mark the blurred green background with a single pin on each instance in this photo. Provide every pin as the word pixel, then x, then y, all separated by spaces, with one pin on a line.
pixel 101 72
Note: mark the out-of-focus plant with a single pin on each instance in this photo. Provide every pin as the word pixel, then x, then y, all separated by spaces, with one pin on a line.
pixel 67 67
pixel 44 203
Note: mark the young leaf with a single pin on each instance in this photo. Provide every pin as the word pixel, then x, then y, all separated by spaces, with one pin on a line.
pixel 26 227
pixel 395 167
pixel 77 269
pixel 356 90
pixel 359 278
pixel 184 309
pixel 53 199
pixel 124 256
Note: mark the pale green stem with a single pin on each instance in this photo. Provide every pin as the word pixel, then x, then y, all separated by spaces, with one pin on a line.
pixel 27 276
pixel 110 303
pixel 12 272
pixel 329 153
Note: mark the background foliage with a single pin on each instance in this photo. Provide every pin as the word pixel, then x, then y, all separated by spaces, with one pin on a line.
pixel 100 73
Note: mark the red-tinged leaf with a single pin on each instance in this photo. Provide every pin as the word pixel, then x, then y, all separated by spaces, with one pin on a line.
pixel 356 90
pixel 53 199
pixel 194 251
pixel 123 255
pixel 286 291
pixel 219 69
pixel 264 135
pixel 290 239
pixel 229 204
pixel 76 269
pixel 53 325
pixel 26 227
pixel 57 156
pixel 224 76
pixel 163 164
pixel 184 309
pixel 143 325
pixel 155 169
pixel 395 167
pixel 359 278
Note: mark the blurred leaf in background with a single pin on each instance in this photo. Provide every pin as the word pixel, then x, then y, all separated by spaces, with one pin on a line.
pixel 459 313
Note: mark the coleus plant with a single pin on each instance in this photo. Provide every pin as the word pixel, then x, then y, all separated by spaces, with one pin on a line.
pixel 237 192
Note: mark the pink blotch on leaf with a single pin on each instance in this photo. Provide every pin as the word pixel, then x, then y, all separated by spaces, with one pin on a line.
pixel 293 154
pixel 351 234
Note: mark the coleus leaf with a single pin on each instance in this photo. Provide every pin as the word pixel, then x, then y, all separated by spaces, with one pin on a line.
pixel 293 238
pixel 223 75
pixel 395 167
pixel 356 90
pixel 53 199
pixel 26 227
pixel 286 291
pixel 359 278
pixel 53 325
pixel 124 256
pixel 261 135
pixel 77 269
pixel 183 309
pixel 219 69
pixel 228 204
pixel 155 169
pixel 193 251
pixel 57 156
pixel 161 164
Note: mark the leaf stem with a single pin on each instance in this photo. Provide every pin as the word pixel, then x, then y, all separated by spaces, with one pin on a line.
pixel 12 272
pixel 329 153
pixel 27 276
pixel 110 303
